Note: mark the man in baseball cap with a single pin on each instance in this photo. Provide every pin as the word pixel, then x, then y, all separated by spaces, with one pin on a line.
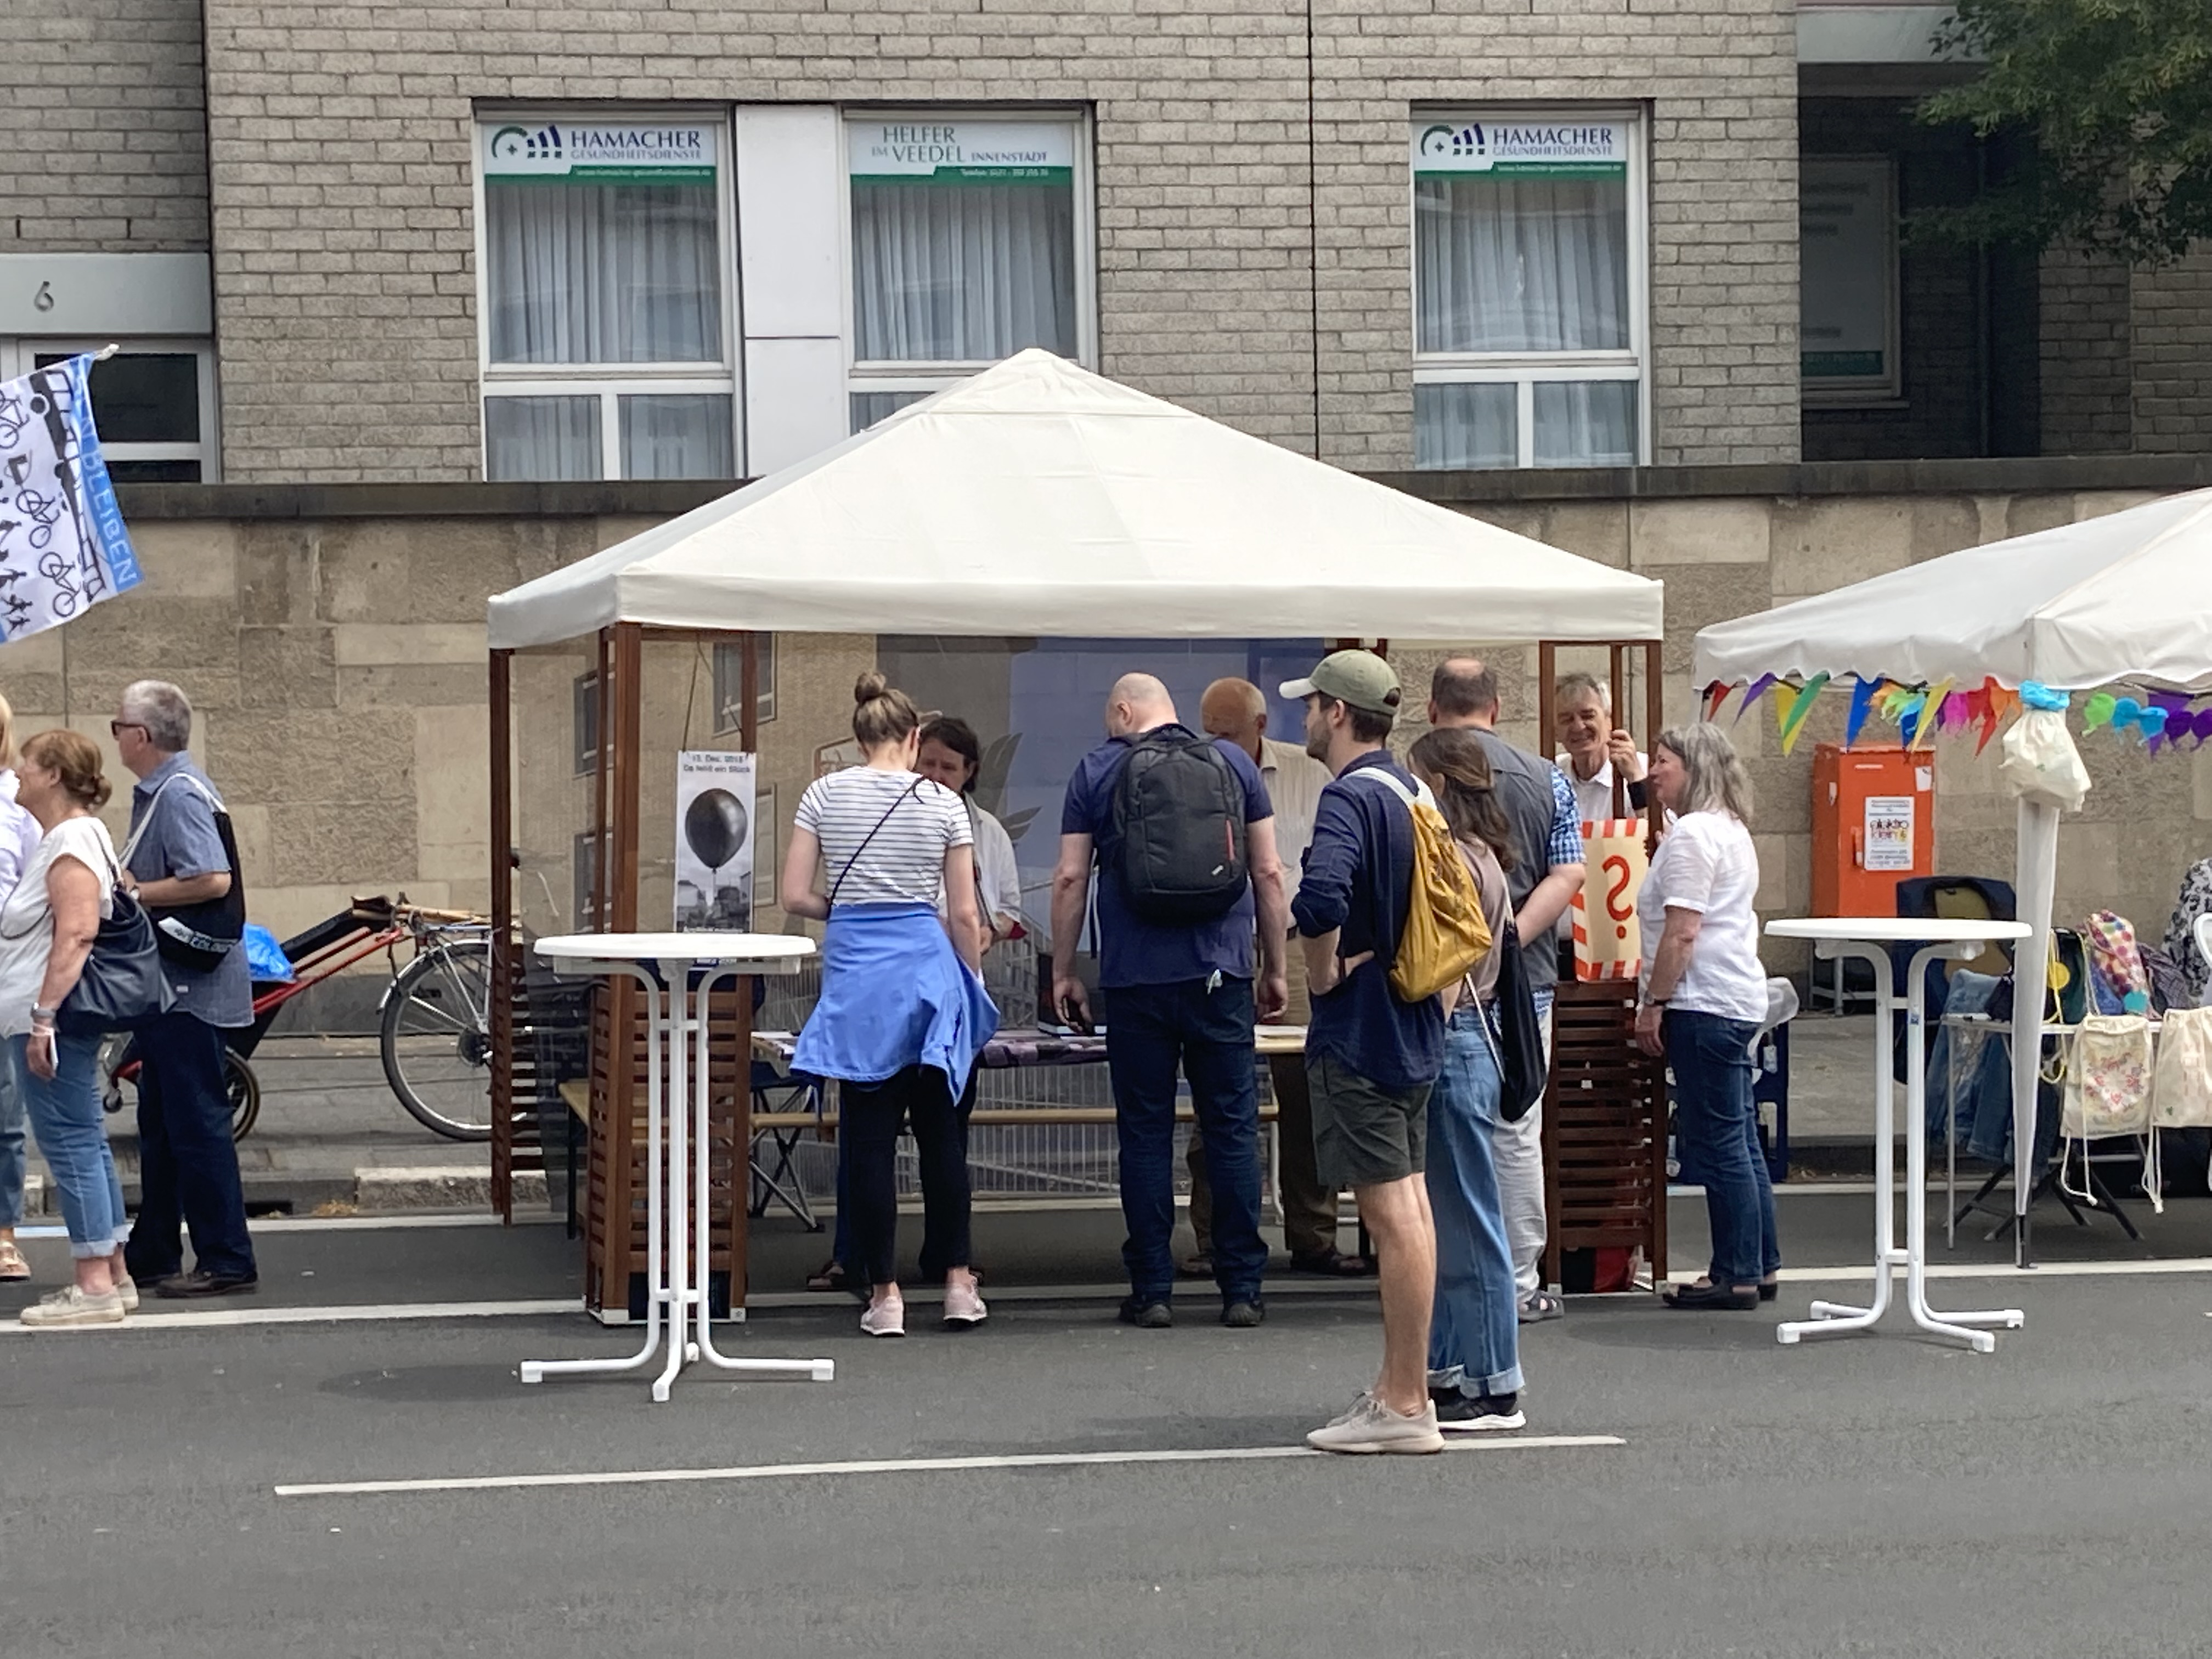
pixel 1358 678
pixel 1370 1059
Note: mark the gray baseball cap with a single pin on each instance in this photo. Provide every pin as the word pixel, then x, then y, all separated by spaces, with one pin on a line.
pixel 1360 678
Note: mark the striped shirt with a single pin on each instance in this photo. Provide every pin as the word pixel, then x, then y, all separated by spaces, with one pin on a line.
pixel 884 834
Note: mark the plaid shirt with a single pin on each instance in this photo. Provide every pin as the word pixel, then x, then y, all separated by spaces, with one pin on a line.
pixel 1565 846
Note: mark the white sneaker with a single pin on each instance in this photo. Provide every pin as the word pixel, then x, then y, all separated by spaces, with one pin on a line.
pixel 884 1318
pixel 126 1288
pixel 964 1306
pixel 71 1306
pixel 1371 1426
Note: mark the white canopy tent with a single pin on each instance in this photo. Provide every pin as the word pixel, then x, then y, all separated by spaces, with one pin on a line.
pixel 2125 597
pixel 1033 499
pixel 1040 499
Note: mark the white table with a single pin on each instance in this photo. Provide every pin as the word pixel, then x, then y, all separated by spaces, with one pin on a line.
pixel 1865 937
pixel 667 966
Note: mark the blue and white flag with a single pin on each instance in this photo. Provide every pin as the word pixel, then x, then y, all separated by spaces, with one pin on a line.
pixel 63 547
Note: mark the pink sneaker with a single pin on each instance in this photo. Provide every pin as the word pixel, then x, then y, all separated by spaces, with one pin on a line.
pixel 886 1318
pixel 963 1307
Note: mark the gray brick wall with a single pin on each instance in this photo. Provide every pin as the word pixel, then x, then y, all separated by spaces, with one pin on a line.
pixel 2173 356
pixel 102 128
pixel 2086 371
pixel 342 188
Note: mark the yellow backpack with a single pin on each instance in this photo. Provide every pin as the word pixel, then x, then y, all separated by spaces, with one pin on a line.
pixel 1445 934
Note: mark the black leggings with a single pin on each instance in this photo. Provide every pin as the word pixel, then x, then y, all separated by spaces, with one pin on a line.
pixel 873 1113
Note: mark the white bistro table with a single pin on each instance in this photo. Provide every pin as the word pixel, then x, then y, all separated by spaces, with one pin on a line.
pixel 1864 937
pixel 678 971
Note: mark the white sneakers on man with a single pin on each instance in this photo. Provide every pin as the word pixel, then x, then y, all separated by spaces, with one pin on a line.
pixel 57 1309
pixel 1370 1427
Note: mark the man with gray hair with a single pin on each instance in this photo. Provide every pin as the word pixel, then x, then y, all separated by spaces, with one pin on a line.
pixel 182 861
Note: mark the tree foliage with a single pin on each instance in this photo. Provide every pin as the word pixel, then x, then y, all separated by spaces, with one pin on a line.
pixel 2117 95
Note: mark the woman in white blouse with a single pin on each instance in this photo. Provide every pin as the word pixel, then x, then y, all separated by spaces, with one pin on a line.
pixel 1703 996
pixel 950 755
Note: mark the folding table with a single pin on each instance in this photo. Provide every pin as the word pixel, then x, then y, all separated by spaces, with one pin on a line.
pixel 683 969
pixel 1864 937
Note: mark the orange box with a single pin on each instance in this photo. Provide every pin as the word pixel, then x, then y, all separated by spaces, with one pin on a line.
pixel 1873 824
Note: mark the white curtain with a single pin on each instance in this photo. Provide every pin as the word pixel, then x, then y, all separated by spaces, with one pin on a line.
pixel 671 436
pixel 962 273
pixel 1521 264
pixel 1467 425
pixel 541 438
pixel 1585 422
pixel 588 273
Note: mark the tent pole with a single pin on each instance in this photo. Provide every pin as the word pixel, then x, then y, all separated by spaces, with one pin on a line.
pixel 2035 882
pixel 503 974
pixel 1547 674
pixel 1653 719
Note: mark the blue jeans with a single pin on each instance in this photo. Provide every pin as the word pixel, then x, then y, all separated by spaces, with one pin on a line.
pixel 1149 1028
pixel 1474 1330
pixel 1716 1125
pixel 11 1147
pixel 187 1162
pixel 72 1131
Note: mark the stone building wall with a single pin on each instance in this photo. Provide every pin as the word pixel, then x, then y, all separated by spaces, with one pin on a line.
pixel 337 662
pixel 344 197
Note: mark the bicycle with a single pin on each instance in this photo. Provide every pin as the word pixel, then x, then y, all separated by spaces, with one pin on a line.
pixel 434 1019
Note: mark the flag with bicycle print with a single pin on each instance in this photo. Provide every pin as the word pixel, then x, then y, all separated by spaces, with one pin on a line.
pixel 63 545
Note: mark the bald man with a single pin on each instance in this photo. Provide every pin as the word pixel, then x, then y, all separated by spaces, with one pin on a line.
pixel 1175 994
pixel 1235 711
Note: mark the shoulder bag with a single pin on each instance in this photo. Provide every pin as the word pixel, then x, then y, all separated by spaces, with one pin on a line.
pixel 121 987
pixel 1522 1066
pixel 198 936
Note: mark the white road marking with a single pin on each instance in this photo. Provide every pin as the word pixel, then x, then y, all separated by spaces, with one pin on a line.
pixel 336 1223
pixel 368 1313
pixel 894 1465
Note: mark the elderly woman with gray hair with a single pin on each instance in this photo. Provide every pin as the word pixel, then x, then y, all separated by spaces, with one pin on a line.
pixel 1703 996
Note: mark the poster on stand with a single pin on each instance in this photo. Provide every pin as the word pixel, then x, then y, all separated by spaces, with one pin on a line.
pixel 716 822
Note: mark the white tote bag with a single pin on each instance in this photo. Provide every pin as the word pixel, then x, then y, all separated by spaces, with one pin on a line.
pixel 2181 1092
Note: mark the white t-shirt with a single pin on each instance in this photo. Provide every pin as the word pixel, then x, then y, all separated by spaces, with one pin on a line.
pixel 998 879
pixel 26 919
pixel 1594 795
pixel 904 860
pixel 1707 864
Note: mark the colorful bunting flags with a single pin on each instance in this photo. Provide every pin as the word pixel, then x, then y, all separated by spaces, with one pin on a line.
pixel 1756 689
pixel 1863 692
pixel 1790 722
pixel 1715 695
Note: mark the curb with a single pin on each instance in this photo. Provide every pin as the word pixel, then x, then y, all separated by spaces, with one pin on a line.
pixel 333 1192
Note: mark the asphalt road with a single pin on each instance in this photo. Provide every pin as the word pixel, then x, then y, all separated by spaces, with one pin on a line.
pixel 1861 1497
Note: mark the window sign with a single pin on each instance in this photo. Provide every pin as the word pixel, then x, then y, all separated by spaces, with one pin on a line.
pixel 641 153
pixel 1521 149
pixel 1847 240
pixel 963 152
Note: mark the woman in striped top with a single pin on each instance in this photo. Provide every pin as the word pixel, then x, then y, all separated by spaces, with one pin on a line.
pixel 903 1013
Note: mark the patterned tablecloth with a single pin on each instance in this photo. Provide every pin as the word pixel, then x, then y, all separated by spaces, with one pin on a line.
pixel 1026 1045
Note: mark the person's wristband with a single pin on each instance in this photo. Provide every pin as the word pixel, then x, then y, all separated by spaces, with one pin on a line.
pixel 45 1016
pixel 1656 1002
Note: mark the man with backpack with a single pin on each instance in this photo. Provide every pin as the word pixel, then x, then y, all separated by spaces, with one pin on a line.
pixel 1371 1053
pixel 1182 835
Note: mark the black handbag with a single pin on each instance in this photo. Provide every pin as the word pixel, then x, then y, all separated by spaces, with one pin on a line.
pixel 200 936
pixel 1522 1066
pixel 122 987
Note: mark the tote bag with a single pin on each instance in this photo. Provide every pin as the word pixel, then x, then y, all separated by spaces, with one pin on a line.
pixel 2181 1089
pixel 2108 1082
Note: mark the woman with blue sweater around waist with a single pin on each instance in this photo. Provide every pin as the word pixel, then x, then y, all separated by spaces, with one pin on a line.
pixel 903 1013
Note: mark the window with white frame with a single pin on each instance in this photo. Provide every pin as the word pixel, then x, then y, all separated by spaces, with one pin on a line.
pixel 971 240
pixel 1528 289
pixel 153 402
pixel 607 334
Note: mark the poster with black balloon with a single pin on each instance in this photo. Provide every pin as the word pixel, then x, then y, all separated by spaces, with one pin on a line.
pixel 716 821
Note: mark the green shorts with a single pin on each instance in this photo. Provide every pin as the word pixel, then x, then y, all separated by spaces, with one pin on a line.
pixel 1365 1134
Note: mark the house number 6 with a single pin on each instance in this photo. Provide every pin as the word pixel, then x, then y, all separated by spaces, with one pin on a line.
pixel 44 299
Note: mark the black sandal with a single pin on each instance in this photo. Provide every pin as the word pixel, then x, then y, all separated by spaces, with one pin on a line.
pixel 829 1276
pixel 1333 1263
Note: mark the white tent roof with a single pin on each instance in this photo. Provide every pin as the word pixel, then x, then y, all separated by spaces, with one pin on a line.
pixel 1038 499
pixel 2125 596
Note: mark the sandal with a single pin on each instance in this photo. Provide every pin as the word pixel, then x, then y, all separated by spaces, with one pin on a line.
pixel 1707 1297
pixel 829 1276
pixel 12 1268
pixel 1539 1306
pixel 1333 1263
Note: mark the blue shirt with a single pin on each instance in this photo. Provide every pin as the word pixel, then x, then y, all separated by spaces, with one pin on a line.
pixel 1359 878
pixel 1131 950
pixel 179 840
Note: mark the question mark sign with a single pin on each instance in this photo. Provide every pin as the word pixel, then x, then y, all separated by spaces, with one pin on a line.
pixel 1617 866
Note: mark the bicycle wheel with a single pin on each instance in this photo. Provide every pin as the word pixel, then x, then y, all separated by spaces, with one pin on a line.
pixel 243 1090
pixel 437 1038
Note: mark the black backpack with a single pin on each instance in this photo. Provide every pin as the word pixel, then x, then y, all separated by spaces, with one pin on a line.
pixel 1179 823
